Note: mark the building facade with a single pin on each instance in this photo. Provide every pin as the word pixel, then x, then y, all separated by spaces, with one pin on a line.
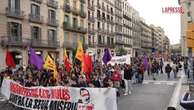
pixel 146 38
pixel 28 23
pixel 105 27
pixel 136 32
pixel 73 25
pixel 187 27
pixel 125 41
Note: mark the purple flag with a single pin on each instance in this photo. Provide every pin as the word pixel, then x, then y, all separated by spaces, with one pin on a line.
pixel 107 57
pixel 145 62
pixel 35 59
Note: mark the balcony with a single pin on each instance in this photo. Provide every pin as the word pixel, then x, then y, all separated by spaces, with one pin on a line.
pixel 15 13
pixel 37 1
pixel 67 8
pixel 91 7
pixel 103 8
pixel 12 41
pixel 52 3
pixel 70 44
pixel 98 5
pixel 82 1
pixel 75 11
pixel 38 43
pixel 75 28
pixel 53 22
pixel 67 26
pixel 90 31
pixel 36 18
pixel 82 14
pixel 91 19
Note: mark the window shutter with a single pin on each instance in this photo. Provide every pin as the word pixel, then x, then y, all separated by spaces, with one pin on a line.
pixel 39 37
pixel 32 33
pixel 9 29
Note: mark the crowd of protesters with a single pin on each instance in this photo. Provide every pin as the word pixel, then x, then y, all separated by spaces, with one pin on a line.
pixel 118 76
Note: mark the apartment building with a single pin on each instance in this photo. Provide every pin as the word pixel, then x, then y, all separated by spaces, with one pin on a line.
pixel 105 28
pixel 136 32
pixel 146 38
pixel 72 25
pixel 187 27
pixel 28 23
pixel 125 40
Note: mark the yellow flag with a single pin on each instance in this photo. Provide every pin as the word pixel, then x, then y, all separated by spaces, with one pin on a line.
pixel 80 52
pixel 50 64
pixel 65 54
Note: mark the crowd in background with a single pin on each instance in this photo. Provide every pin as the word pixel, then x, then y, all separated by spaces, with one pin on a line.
pixel 118 76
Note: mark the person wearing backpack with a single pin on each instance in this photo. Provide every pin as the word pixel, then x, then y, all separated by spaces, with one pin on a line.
pixel 168 70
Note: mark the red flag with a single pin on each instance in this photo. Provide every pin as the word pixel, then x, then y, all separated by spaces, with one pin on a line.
pixel 67 62
pixel 87 66
pixel 67 65
pixel 9 60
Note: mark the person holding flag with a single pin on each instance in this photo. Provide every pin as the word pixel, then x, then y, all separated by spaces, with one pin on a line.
pixel 67 62
pixel 50 65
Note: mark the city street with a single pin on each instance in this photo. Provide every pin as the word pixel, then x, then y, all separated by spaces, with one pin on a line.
pixel 151 95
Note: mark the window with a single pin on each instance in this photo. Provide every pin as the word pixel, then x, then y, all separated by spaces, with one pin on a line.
pixel 66 18
pixel 98 25
pixel 66 1
pixel 99 39
pixel 36 33
pixel 51 35
pixel 103 15
pixel 82 23
pixel 74 22
pixel 14 4
pixel 98 14
pixel 89 40
pixel 35 10
pixel 14 31
pixel 189 14
pixel 81 7
pixel 108 40
pixel 51 15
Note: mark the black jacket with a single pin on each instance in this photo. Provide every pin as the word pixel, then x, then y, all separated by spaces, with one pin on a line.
pixel 168 69
pixel 187 104
pixel 128 74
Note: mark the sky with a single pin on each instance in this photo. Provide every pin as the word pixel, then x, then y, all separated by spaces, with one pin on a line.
pixel 151 11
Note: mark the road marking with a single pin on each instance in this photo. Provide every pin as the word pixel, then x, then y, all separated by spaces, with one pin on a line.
pixel 170 83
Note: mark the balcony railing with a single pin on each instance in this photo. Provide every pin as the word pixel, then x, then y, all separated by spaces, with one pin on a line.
pixel 70 44
pixel 44 43
pixel 53 22
pixel 82 14
pixel 75 11
pixel 11 41
pixel 52 3
pixel 82 1
pixel 36 18
pixel 15 13
pixel 98 5
pixel 91 7
pixel 24 42
pixel 90 31
pixel 91 18
pixel 67 8
pixel 37 1
pixel 75 28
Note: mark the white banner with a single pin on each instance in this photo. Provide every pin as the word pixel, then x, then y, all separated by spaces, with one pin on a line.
pixel 120 60
pixel 59 98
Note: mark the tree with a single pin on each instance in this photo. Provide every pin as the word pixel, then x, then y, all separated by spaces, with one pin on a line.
pixel 121 51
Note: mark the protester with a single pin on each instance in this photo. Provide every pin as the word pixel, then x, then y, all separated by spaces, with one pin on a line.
pixel 174 69
pixel 128 79
pixel 168 70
